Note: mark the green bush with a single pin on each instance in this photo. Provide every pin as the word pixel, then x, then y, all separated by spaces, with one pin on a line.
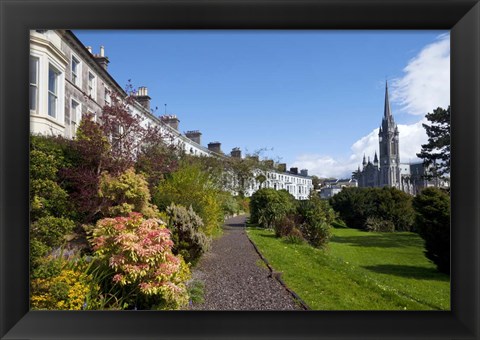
pixel 284 226
pixel 295 237
pixel 188 239
pixel 51 231
pixel 356 205
pixel 230 205
pixel 379 225
pixel 314 217
pixel 269 205
pixel 192 186
pixel 126 193
pixel 61 285
pixel 432 222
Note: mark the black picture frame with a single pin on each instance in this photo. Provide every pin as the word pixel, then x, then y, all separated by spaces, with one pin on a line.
pixel 17 17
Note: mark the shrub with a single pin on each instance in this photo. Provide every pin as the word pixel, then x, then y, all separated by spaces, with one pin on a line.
pixel 314 217
pixel 61 286
pixel 284 226
pixel 379 225
pixel 295 237
pixel 356 205
pixel 191 186
pixel 51 231
pixel 269 205
pixel 126 193
pixel 230 205
pixel 140 254
pixel 48 199
pixel 188 239
pixel 432 222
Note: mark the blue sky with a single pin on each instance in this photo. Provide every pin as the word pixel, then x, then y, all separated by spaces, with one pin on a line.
pixel 312 98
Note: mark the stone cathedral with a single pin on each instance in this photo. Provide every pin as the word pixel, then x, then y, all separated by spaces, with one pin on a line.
pixel 386 169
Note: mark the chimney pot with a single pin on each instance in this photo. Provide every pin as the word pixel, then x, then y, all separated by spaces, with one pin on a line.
pixel 102 51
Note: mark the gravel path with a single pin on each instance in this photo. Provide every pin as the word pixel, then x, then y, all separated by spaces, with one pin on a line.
pixel 235 277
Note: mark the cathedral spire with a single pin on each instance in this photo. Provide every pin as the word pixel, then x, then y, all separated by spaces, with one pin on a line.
pixel 387 113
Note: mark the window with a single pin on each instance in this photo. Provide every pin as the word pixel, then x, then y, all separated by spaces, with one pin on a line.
pixel 92 85
pixel 33 83
pixel 53 77
pixel 75 115
pixel 107 96
pixel 75 71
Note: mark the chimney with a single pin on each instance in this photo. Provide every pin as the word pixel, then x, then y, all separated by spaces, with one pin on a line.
pixel 215 147
pixel 282 167
pixel 170 120
pixel 100 58
pixel 143 98
pixel 304 172
pixel 194 135
pixel 236 153
pixel 89 48
pixel 294 171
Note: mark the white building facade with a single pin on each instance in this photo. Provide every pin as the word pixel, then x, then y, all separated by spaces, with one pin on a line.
pixel 67 81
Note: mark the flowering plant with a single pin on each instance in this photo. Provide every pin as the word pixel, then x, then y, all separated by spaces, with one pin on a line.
pixel 139 251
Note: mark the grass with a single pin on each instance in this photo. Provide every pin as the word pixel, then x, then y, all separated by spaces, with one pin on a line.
pixel 359 271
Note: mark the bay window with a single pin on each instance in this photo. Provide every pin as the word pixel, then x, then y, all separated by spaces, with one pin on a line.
pixel 53 80
pixel 33 83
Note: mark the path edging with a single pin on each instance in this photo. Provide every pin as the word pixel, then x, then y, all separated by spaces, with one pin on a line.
pixel 276 275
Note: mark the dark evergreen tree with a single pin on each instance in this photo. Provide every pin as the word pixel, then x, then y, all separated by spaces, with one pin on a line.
pixel 432 222
pixel 436 153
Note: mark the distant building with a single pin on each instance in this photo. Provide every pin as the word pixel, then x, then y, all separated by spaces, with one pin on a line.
pixel 332 187
pixel 387 170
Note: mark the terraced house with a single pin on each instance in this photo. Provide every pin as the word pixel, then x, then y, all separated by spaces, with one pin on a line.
pixel 69 80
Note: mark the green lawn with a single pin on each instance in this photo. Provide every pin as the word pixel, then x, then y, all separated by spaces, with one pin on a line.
pixel 359 271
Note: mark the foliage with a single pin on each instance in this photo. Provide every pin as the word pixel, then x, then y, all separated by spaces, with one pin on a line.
pixel 139 251
pixel 156 161
pixel 295 236
pixel 316 182
pixel 189 241
pixel 126 193
pixel 269 205
pixel 432 222
pixel 230 204
pixel 113 145
pixel 437 151
pixel 51 231
pixel 284 226
pixel 314 217
pixel 51 212
pixel 379 225
pixel 190 186
pixel 355 205
pixel 48 199
pixel 61 286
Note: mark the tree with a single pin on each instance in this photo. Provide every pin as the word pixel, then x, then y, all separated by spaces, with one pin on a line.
pixel 269 205
pixel 432 222
pixel 436 153
pixel 315 182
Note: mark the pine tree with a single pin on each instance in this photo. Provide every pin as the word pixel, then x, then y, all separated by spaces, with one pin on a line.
pixel 436 153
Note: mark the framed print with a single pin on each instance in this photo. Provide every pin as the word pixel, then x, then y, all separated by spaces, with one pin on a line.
pixel 20 17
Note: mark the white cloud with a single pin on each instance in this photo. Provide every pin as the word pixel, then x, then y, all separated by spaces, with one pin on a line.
pixel 411 138
pixel 424 86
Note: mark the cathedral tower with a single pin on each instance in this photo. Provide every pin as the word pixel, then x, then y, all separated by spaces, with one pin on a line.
pixel 389 149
